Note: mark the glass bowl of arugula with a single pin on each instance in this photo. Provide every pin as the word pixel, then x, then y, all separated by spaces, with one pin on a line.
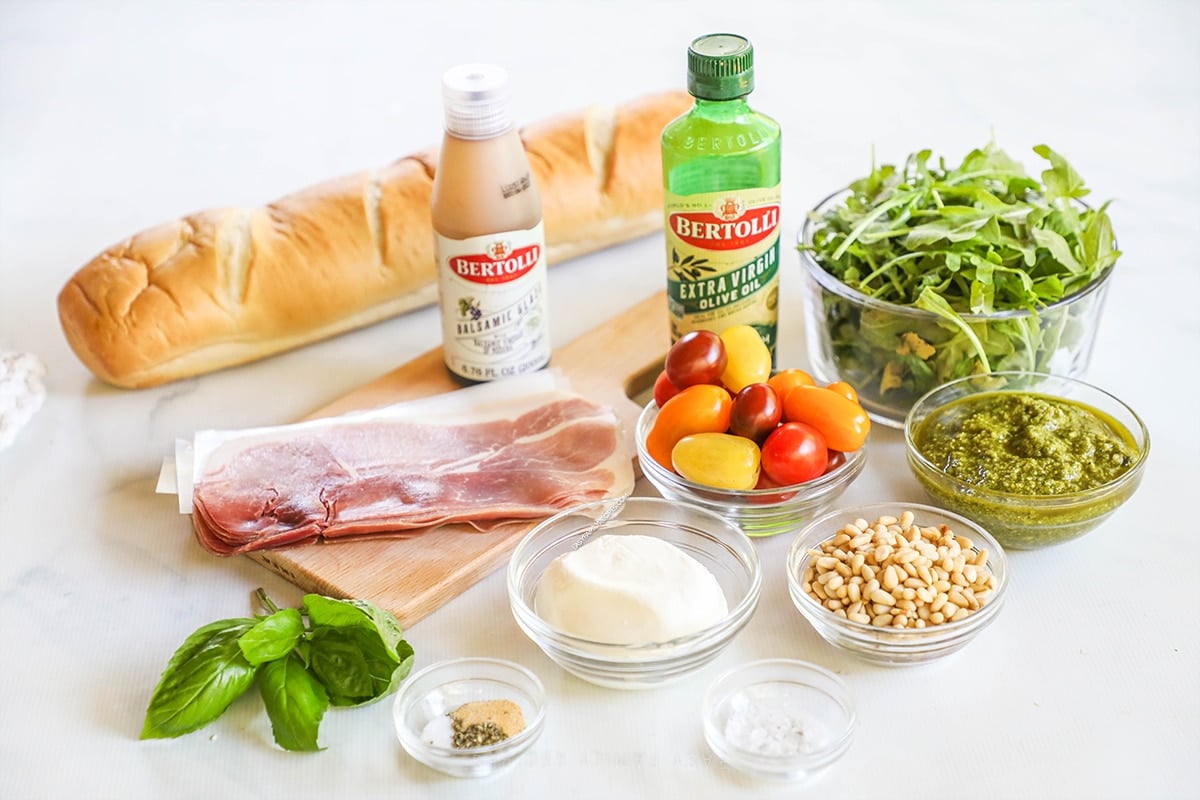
pixel 918 275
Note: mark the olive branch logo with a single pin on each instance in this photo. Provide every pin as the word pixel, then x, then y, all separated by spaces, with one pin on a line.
pixel 689 268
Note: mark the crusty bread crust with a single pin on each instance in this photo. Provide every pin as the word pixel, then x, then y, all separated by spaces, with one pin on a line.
pixel 227 286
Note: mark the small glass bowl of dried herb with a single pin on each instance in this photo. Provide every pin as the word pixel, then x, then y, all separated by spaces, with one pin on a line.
pixel 469 717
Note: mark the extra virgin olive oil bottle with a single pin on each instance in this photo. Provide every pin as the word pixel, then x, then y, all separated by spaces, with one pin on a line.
pixel 721 184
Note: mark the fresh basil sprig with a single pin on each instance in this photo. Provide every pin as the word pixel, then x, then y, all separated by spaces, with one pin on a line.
pixel 351 652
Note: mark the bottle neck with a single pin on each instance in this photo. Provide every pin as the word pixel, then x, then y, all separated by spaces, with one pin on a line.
pixel 722 109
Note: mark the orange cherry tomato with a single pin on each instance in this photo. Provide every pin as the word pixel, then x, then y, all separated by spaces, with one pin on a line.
pixel 787 379
pixel 842 422
pixel 844 389
pixel 702 408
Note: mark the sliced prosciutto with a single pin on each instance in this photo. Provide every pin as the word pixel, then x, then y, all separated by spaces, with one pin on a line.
pixel 523 458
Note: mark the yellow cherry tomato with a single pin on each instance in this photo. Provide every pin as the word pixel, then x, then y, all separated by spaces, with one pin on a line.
pixel 748 358
pixel 842 422
pixel 787 379
pixel 844 389
pixel 701 408
pixel 719 460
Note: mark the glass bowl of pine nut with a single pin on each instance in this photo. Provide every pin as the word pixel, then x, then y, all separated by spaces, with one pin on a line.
pixel 897 583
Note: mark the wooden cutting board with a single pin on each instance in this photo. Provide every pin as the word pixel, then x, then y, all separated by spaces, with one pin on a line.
pixel 412 577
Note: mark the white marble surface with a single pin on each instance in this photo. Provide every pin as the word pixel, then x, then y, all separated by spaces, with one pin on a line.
pixel 118 115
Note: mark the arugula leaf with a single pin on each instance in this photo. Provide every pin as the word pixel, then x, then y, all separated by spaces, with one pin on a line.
pixel 205 675
pixel 295 701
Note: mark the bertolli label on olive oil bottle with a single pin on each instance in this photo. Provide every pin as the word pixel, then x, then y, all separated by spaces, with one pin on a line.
pixel 723 261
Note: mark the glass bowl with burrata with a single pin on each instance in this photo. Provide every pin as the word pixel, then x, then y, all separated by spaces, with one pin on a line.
pixel 1037 459
pixel 636 592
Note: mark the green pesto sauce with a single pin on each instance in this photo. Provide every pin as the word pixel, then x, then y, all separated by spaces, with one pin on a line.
pixel 1025 443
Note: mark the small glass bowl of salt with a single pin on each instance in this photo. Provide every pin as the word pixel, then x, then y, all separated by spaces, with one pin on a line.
pixel 778 718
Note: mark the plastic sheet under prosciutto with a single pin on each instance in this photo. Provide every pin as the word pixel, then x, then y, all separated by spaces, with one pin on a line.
pixel 480 456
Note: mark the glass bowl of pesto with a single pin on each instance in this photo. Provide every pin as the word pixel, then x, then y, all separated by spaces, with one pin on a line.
pixel 1037 459
pixel 923 272
pixel 897 584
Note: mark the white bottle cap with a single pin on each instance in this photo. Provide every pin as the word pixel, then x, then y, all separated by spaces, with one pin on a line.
pixel 475 97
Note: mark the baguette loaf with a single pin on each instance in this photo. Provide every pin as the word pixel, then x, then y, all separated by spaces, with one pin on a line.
pixel 227 286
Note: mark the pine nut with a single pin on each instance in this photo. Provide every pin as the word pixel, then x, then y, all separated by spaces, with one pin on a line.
pixel 882 597
pixel 853 592
pixel 890 578
pixel 906 519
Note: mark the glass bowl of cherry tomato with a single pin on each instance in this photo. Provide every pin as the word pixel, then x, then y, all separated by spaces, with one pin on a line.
pixel 766 449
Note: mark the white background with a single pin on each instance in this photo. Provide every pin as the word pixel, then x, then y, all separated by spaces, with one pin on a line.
pixel 117 116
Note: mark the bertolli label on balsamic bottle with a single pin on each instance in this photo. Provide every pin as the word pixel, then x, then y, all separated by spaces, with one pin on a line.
pixel 492 289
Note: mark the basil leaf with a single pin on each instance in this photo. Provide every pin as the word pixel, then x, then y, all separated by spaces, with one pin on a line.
pixel 325 611
pixel 205 675
pixel 272 637
pixel 338 658
pixel 295 701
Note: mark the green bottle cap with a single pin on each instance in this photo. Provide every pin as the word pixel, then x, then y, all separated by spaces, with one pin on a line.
pixel 720 67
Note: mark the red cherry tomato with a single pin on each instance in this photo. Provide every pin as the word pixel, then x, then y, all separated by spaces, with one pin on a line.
pixel 756 412
pixel 765 482
pixel 794 453
pixel 664 390
pixel 836 459
pixel 702 408
pixel 698 357
pixel 842 422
